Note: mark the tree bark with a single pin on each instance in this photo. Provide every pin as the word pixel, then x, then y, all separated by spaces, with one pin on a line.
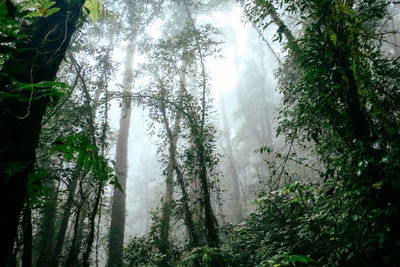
pixel 117 226
pixel 36 58
pixel 291 40
pixel 73 251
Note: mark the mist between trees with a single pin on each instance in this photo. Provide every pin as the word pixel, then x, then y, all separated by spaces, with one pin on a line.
pixel 199 133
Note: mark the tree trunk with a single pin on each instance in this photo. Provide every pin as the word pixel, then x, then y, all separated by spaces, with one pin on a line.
pixel 65 218
pixel 92 224
pixel 35 59
pixel 46 242
pixel 235 177
pixel 210 220
pixel 198 134
pixel 265 114
pixel 27 227
pixel 188 216
pixel 167 201
pixel 172 136
pixel 291 40
pixel 117 226
pixel 73 251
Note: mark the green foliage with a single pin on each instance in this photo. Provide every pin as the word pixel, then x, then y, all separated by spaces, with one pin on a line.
pixel 93 9
pixel 9 27
pixel 340 92
pixel 41 8
pixel 271 235
pixel 287 260
pixel 299 224
pixel 23 92
pixel 204 256
pixel 78 148
pixel 141 251
pixel 35 189
pixel 10 31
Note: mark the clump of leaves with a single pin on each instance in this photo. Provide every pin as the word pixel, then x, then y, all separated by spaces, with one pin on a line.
pixel 78 148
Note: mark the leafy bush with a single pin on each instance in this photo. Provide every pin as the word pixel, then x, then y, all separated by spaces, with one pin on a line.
pixel 302 224
pixel 141 251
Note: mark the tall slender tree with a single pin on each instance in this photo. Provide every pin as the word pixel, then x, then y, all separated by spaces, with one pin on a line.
pixel 139 14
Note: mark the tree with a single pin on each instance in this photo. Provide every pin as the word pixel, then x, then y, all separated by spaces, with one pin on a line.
pixel 139 15
pixel 71 117
pixel 26 73
pixel 178 97
pixel 172 133
pixel 202 139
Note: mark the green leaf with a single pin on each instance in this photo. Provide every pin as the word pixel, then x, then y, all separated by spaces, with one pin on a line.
pixel 51 11
pixel 92 7
pixel 302 259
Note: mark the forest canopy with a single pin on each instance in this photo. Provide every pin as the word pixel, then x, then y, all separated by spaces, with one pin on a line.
pixel 199 133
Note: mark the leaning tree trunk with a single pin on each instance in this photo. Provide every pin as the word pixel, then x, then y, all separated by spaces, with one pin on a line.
pixel 117 227
pixel 35 59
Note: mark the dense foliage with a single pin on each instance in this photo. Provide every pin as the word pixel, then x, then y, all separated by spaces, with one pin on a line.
pixel 322 192
pixel 340 91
